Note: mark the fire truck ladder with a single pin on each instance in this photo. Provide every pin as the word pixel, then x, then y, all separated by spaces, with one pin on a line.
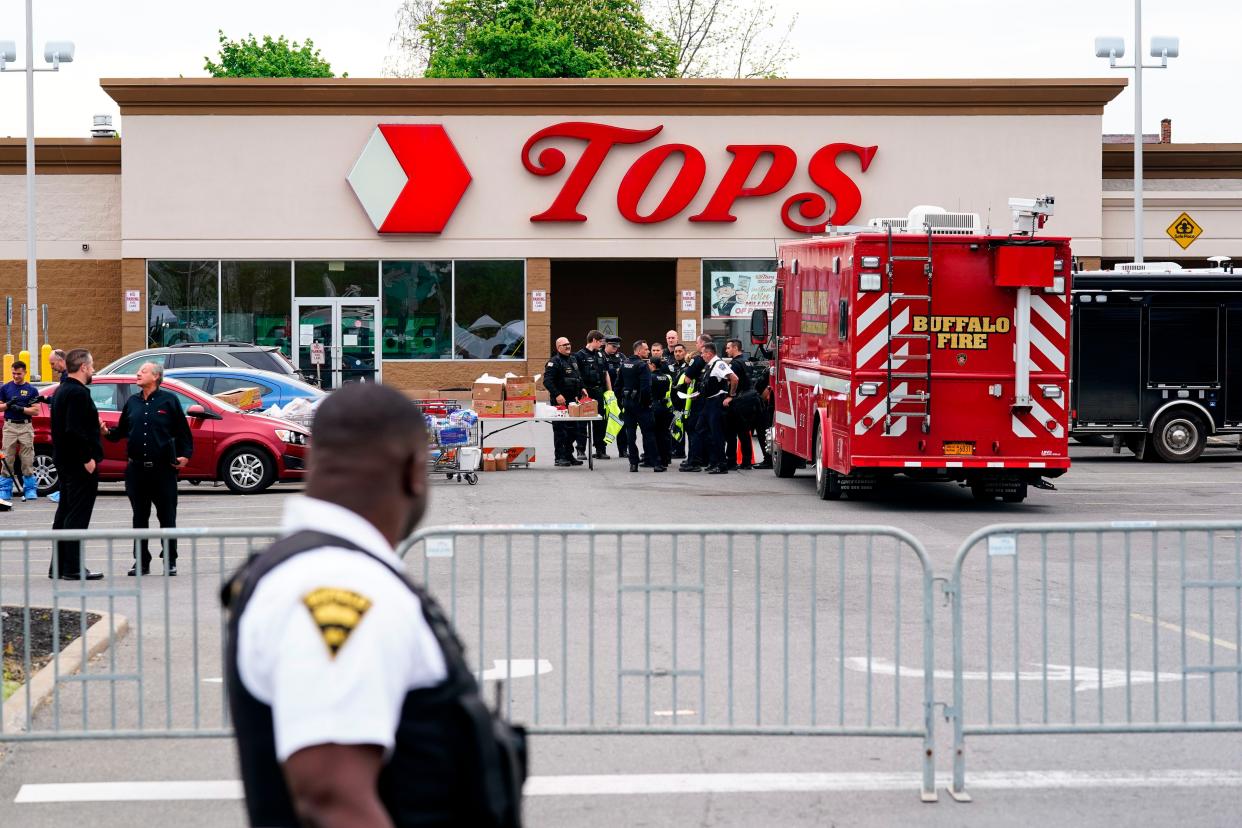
pixel 913 402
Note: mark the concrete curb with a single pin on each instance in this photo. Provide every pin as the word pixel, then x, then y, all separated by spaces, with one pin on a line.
pixel 41 686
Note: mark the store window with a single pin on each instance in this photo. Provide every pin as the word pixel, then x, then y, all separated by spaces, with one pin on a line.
pixel 732 289
pixel 255 303
pixel 336 278
pixel 490 302
pixel 418 310
pixel 182 302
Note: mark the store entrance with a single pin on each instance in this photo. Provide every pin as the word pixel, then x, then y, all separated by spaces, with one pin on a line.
pixel 635 297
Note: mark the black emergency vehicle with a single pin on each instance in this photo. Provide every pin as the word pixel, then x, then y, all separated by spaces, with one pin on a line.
pixel 1157 359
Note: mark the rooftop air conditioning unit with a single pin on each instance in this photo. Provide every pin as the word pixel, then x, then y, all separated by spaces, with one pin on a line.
pixel 937 220
pixel 1147 267
pixel 887 222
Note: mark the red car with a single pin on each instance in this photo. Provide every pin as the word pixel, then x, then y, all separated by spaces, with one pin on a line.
pixel 249 452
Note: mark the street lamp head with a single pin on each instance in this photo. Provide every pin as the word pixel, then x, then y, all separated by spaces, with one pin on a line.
pixel 1163 46
pixel 58 51
pixel 1110 47
pixel 8 52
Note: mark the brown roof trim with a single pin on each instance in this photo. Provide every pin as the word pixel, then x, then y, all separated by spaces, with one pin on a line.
pixel 1175 160
pixel 423 96
pixel 62 156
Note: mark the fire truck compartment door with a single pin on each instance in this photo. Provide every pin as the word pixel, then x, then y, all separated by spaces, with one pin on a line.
pixel 1024 265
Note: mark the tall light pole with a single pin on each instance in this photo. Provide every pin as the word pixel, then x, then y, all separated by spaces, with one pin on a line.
pixel 1113 48
pixel 55 53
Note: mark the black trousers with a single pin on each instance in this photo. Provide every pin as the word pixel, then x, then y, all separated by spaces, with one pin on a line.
pixel 598 437
pixel 738 432
pixel 695 452
pixel 564 435
pixel 78 490
pixel 633 418
pixel 663 421
pixel 710 429
pixel 146 487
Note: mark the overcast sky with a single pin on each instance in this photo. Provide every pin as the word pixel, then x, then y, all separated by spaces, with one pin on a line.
pixel 833 38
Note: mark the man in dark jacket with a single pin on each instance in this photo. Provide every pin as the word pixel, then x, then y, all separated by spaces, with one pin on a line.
pixel 634 393
pixel 77 452
pixel 564 384
pixel 595 380
pixel 159 445
pixel 739 420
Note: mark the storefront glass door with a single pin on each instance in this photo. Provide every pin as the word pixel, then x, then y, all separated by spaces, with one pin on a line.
pixel 336 341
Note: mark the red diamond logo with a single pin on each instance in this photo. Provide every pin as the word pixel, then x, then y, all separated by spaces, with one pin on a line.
pixel 409 178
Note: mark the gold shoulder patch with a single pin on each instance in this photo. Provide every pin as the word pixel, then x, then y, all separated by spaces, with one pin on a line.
pixel 337 612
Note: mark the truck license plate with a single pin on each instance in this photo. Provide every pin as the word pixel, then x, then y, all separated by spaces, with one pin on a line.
pixel 959 449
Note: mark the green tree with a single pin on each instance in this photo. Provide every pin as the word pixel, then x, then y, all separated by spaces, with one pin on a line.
pixel 248 58
pixel 542 39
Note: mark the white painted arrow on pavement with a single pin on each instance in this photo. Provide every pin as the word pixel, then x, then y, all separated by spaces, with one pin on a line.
pixel 514 669
pixel 1087 678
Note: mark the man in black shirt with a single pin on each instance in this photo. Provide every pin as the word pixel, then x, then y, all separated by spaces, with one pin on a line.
pixel 662 406
pixel 564 383
pixel 76 451
pixel 160 443
pixel 741 411
pixel 634 393
pixel 595 380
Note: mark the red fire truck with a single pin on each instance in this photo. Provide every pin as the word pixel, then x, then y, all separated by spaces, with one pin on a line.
pixel 925 347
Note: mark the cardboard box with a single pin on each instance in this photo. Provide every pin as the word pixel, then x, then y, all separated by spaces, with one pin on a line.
pixel 519 388
pixel 488 391
pixel 423 394
pixel 516 455
pixel 489 462
pixel 489 408
pixel 502 462
pixel 588 408
pixel 247 399
pixel 519 408
pixel 574 409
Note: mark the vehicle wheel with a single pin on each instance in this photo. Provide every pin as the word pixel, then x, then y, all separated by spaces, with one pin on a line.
pixel 827 481
pixel 981 493
pixel 1016 497
pixel 783 463
pixel 247 470
pixel 1179 436
pixel 472 479
pixel 46 477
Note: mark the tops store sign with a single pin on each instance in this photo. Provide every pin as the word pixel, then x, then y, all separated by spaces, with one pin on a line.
pixel 410 177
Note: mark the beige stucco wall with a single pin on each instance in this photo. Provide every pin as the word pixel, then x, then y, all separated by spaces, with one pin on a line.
pixel 70 210
pixel 1215 205
pixel 260 186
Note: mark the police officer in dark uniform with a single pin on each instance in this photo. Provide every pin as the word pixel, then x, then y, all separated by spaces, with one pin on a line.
pixel 662 408
pixel 690 382
pixel 634 384
pixel 160 443
pixel 595 380
pixel 741 411
pixel 564 384
pixel 677 366
pixel 613 358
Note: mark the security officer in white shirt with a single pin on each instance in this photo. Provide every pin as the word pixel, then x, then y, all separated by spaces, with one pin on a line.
pixel 719 387
pixel 335 665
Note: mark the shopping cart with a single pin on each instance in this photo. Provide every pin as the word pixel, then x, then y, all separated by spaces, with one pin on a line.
pixel 454 437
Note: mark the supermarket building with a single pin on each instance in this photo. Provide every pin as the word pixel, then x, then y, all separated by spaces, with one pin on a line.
pixel 427 231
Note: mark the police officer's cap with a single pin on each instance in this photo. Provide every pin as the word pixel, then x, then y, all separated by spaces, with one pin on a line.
pixel 612 340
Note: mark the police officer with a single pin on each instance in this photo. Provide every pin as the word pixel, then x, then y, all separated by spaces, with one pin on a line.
pixel 677 365
pixel 19 400
pixel 613 358
pixel 159 445
pixel 662 406
pixel 740 415
pixel 595 380
pixel 690 384
pixel 634 384
pixel 564 384
pixel 718 386
pixel 352 702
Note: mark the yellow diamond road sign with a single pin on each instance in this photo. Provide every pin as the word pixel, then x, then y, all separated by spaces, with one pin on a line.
pixel 1184 230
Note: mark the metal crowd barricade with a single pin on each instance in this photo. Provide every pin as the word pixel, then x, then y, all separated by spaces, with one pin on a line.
pixel 1122 627
pixel 150 665
pixel 725 630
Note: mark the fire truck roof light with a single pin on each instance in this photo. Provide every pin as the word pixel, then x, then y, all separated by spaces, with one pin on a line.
pixel 869 281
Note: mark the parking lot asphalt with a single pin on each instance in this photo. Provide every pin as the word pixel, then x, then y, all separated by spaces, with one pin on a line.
pixel 1145 779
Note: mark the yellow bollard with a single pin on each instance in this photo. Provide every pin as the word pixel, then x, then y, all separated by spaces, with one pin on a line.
pixel 8 368
pixel 24 356
pixel 45 363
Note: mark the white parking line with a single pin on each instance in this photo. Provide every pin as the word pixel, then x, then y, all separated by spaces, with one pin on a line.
pixel 682 783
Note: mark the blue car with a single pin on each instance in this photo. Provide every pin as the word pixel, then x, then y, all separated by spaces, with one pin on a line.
pixel 277 389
